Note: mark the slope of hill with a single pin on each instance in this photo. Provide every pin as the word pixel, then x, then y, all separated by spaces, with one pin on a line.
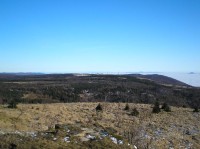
pixel 161 79
pixel 78 125
pixel 51 88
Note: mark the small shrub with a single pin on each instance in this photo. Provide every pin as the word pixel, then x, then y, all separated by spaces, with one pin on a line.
pixel 126 107
pixel 196 109
pixel 99 107
pixel 12 104
pixel 184 106
pixel 57 126
pixel 12 146
pixel 166 107
pixel 134 112
pixel 156 108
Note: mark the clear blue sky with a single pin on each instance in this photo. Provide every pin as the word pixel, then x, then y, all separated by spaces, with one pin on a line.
pixel 99 35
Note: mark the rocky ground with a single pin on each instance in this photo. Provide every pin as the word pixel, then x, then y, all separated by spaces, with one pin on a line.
pixel 79 125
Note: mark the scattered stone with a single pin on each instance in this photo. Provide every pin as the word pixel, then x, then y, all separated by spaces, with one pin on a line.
pixel 66 139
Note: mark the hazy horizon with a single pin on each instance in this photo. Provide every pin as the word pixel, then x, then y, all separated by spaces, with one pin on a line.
pixel 190 78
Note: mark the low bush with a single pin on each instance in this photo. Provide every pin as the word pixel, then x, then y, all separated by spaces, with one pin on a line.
pixel 134 112
pixel 196 109
pixel 12 104
pixel 166 107
pixel 99 107
pixel 156 108
pixel 126 107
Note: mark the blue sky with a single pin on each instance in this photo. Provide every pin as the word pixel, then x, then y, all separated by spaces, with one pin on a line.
pixel 99 35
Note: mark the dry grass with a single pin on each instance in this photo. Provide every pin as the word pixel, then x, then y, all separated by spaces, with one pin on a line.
pixel 147 130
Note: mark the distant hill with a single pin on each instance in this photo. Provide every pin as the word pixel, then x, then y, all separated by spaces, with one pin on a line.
pixel 137 88
pixel 21 73
pixel 6 75
pixel 160 79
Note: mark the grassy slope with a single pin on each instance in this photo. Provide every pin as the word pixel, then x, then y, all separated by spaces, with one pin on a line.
pixel 179 128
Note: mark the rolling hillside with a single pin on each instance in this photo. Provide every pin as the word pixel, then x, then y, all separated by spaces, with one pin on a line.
pixel 53 88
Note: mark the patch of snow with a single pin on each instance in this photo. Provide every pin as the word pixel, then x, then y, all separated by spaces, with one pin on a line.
pixel 19 133
pixel 104 133
pixel 54 139
pixel 90 137
pixel 147 136
pixel 68 130
pixel 114 140
pixel 120 142
pixel 158 132
pixel 2 133
pixel 32 134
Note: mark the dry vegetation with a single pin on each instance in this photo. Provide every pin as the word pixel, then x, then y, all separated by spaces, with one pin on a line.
pixel 177 129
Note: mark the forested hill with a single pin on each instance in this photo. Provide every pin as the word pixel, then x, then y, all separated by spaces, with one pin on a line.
pixel 48 88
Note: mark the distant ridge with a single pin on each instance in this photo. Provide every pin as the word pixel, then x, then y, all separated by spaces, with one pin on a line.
pixel 22 73
pixel 160 79
pixel 18 74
